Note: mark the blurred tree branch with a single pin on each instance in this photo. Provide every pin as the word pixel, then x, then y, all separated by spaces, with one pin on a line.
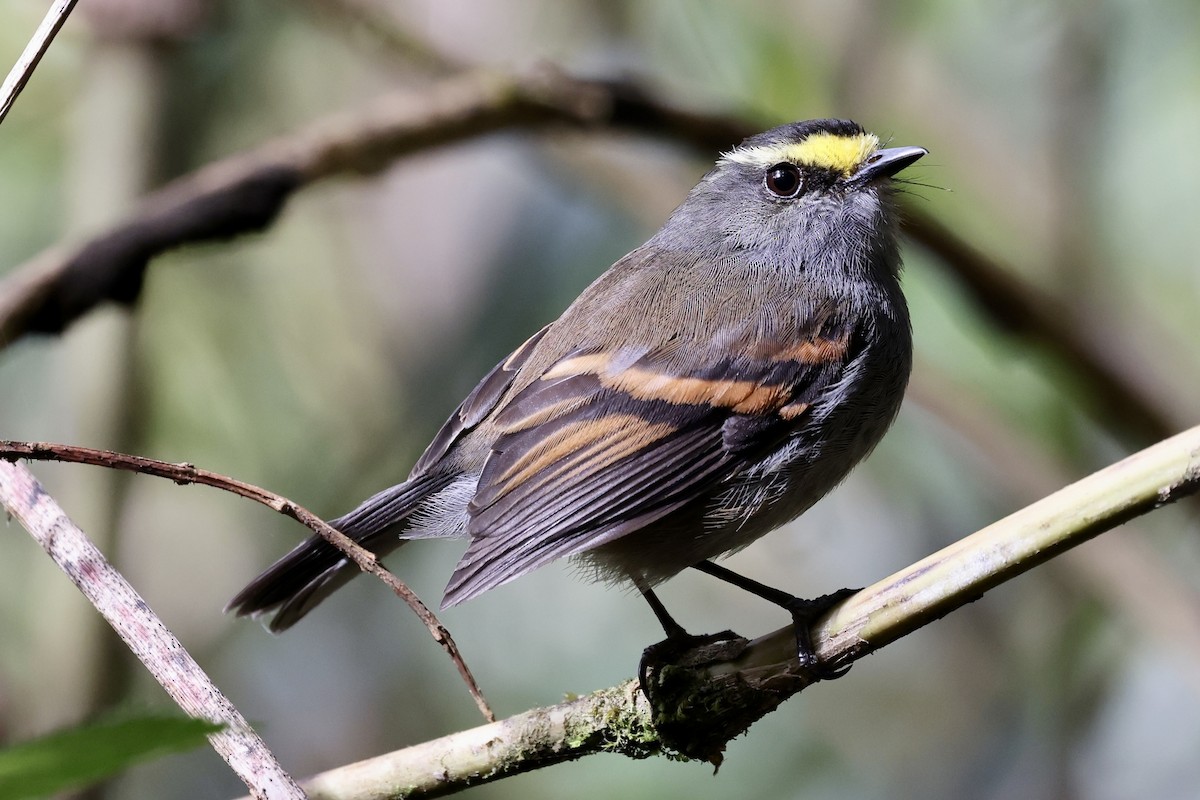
pixel 1020 310
pixel 245 193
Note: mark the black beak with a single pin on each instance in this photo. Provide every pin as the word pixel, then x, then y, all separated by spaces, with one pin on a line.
pixel 886 163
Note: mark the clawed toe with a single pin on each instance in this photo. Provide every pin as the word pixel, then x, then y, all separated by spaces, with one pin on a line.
pixel 804 614
pixel 673 648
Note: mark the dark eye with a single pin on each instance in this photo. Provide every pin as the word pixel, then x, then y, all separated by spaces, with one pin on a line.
pixel 783 180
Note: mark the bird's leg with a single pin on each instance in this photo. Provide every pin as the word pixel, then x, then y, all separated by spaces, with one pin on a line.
pixel 673 629
pixel 678 640
pixel 804 614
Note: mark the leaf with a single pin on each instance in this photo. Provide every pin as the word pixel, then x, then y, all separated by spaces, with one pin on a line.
pixel 83 755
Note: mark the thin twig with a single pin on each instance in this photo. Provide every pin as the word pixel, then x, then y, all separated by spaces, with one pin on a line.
pixel 764 672
pixel 19 75
pixel 184 474
pixel 143 632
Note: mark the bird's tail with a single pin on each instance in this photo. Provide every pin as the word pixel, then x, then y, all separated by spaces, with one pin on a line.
pixel 298 582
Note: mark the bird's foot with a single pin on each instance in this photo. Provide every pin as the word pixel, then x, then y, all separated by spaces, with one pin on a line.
pixel 804 614
pixel 672 650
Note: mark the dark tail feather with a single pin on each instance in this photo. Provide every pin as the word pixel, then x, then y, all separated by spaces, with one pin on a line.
pixel 298 582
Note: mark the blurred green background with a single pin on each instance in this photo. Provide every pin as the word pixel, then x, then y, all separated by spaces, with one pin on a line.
pixel 317 359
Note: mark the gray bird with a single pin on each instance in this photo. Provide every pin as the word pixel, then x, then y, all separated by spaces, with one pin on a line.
pixel 709 387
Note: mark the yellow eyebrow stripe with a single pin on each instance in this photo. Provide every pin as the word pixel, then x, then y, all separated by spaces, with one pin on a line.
pixel 835 152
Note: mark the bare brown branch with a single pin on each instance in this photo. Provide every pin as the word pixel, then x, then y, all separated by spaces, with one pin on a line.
pixel 1020 310
pixel 184 474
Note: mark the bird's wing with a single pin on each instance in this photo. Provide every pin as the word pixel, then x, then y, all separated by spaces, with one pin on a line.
pixel 479 403
pixel 605 442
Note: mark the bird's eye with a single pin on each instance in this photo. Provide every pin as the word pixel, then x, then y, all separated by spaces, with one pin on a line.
pixel 783 180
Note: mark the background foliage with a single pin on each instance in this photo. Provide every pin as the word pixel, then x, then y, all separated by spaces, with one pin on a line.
pixel 318 358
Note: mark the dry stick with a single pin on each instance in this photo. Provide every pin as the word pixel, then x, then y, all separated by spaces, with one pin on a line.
pixel 245 193
pixel 19 75
pixel 184 474
pixel 621 720
pixel 144 633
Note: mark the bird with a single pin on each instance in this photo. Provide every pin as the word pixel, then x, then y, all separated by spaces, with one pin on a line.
pixel 709 387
